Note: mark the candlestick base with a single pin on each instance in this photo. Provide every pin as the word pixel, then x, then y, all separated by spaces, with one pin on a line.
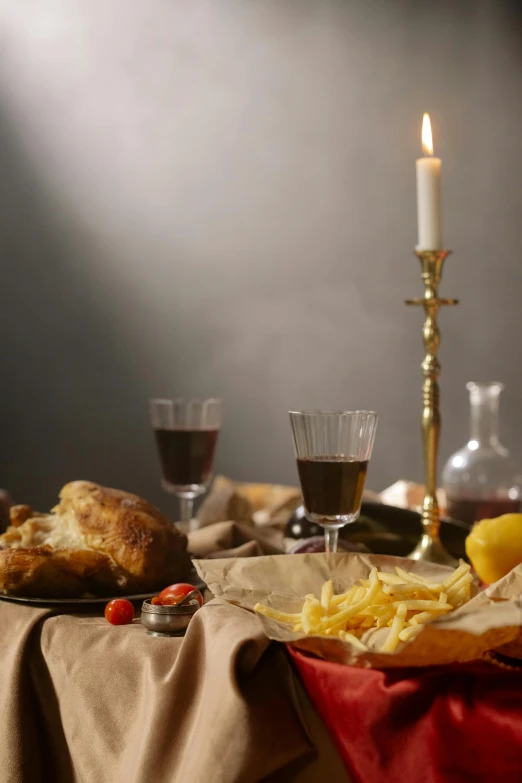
pixel 430 550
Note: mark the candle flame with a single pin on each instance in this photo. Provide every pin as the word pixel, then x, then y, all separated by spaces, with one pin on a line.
pixel 427 139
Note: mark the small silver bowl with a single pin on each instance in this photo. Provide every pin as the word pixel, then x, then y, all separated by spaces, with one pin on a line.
pixel 167 620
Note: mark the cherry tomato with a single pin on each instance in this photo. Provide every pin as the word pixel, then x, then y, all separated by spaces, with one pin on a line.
pixel 119 612
pixel 156 601
pixel 176 594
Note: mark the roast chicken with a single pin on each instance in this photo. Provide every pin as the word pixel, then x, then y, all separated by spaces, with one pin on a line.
pixel 96 541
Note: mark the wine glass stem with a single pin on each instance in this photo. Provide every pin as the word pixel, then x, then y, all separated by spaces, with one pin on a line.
pixel 186 506
pixel 331 537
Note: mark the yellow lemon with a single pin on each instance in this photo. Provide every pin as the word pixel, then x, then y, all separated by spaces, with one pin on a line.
pixel 494 546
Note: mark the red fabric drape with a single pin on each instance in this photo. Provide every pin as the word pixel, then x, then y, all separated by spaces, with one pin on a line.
pixel 437 725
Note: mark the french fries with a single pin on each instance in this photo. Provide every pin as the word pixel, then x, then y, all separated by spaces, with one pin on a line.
pixel 403 602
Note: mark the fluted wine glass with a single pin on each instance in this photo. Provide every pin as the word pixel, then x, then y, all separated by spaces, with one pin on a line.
pixel 332 449
pixel 186 434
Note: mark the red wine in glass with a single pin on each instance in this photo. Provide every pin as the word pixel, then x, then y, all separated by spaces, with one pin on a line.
pixel 332 450
pixel 332 486
pixel 186 455
pixel 186 433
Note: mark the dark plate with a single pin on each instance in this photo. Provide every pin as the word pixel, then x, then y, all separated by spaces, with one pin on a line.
pixel 387 530
pixel 73 604
pixel 90 604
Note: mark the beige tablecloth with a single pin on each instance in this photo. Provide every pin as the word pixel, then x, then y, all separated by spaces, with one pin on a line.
pixel 84 702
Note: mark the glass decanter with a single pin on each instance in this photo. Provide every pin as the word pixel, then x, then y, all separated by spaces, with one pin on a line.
pixel 481 481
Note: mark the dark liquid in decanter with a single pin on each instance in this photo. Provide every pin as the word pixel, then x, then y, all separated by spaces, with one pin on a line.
pixel 471 510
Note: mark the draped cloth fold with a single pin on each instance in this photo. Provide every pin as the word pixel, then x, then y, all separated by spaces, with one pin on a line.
pixel 20 756
pixel 234 539
pixel 84 701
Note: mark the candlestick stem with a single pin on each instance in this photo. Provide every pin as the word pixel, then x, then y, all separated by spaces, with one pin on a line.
pixel 430 547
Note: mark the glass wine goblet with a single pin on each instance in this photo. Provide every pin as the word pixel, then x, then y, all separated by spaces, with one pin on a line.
pixel 186 433
pixel 332 449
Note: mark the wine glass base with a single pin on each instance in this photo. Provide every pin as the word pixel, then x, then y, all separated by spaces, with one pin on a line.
pixel 430 550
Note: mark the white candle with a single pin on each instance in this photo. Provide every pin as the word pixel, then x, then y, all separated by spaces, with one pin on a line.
pixel 428 193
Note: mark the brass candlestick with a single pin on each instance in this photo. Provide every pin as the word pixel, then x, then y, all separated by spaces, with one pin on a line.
pixel 429 547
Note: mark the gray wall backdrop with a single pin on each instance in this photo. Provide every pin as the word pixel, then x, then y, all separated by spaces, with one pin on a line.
pixel 217 197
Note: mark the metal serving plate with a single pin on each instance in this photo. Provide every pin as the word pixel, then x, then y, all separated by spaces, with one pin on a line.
pixel 91 603
pixel 387 530
pixel 78 604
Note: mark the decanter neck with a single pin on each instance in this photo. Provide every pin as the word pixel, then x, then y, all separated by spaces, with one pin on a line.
pixel 484 400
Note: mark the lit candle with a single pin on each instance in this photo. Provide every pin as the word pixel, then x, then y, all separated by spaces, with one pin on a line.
pixel 428 193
